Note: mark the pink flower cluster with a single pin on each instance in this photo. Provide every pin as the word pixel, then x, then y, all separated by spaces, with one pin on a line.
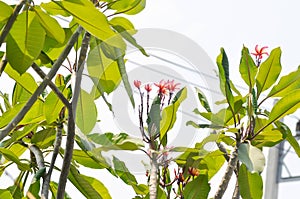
pixel 163 86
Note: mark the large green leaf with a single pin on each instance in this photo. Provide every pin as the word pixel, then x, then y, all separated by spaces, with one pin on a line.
pixel 91 19
pixel 25 80
pixel 154 118
pixel 110 141
pixel 169 113
pixel 286 84
pixel 86 115
pixel 248 69
pixel 44 138
pixel 123 172
pixel 104 69
pixel 9 155
pixel 203 100
pixel 51 26
pixel 88 186
pixel 251 184
pixel 129 7
pixel 4 193
pixel 88 160
pixel 269 71
pixel 252 157
pixel 198 188
pixel 20 94
pixel 285 106
pixel 5 13
pixel 25 41
pixel 125 23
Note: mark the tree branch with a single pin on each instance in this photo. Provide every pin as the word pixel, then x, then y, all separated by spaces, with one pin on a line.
pixel 228 173
pixel 39 71
pixel 38 156
pixel 42 86
pixel 57 144
pixel 71 120
pixel 11 21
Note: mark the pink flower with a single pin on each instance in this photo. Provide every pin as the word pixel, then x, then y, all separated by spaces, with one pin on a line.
pixel 137 83
pixel 171 86
pixel 161 87
pixel 148 87
pixel 260 52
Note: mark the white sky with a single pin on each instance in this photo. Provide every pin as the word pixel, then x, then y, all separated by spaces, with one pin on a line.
pixel 229 24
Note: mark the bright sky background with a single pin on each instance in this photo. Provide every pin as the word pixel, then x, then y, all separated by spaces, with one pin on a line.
pixel 229 24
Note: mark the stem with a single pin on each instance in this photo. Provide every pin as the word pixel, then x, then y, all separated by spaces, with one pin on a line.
pixel 236 193
pixel 153 176
pixel 228 173
pixel 42 86
pixel 57 144
pixel 11 21
pixel 3 64
pixel 71 119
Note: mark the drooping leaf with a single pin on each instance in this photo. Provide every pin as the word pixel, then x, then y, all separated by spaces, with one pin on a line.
pixel 286 84
pixel 9 155
pixel 252 157
pixel 248 69
pixel 169 113
pixel 86 115
pixel 88 186
pixel 5 13
pixel 25 41
pixel 198 188
pixel 203 100
pixel 251 184
pixel 123 172
pixel 91 19
pixel 269 71
pixel 51 26
pixel 129 7
pixel 110 141
pixel 88 160
pixel 122 71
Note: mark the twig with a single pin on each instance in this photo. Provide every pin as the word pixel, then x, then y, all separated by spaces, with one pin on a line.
pixel 71 120
pixel 3 64
pixel 11 21
pixel 153 176
pixel 57 144
pixel 42 86
pixel 228 173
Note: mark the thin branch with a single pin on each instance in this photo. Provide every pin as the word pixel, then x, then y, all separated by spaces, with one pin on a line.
pixel 38 154
pixel 11 21
pixel 3 64
pixel 39 71
pixel 42 86
pixel 236 193
pixel 71 119
pixel 57 144
pixel 228 173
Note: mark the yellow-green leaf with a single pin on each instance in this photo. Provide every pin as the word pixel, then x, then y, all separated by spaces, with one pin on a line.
pixel 248 69
pixel 6 11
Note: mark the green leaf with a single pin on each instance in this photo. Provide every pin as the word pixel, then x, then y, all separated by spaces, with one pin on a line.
pixel 154 118
pixel 86 115
pixel 25 80
pixel 44 138
pixel 286 84
pixel 285 106
pixel 269 71
pixel 92 20
pixel 3 192
pixel 105 70
pixel 251 184
pixel 252 157
pixel 130 7
pixel 203 100
pixel 123 172
pixel 88 186
pixel 54 9
pixel 51 26
pixel 198 188
pixel 53 188
pixel 25 41
pixel 169 113
pixel 53 105
pixel 125 23
pixel 20 94
pixel 110 141
pixel 248 69
pixel 9 155
pixel 34 189
pixel 122 71
pixel 126 35
pixel 88 160
pixel 6 11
